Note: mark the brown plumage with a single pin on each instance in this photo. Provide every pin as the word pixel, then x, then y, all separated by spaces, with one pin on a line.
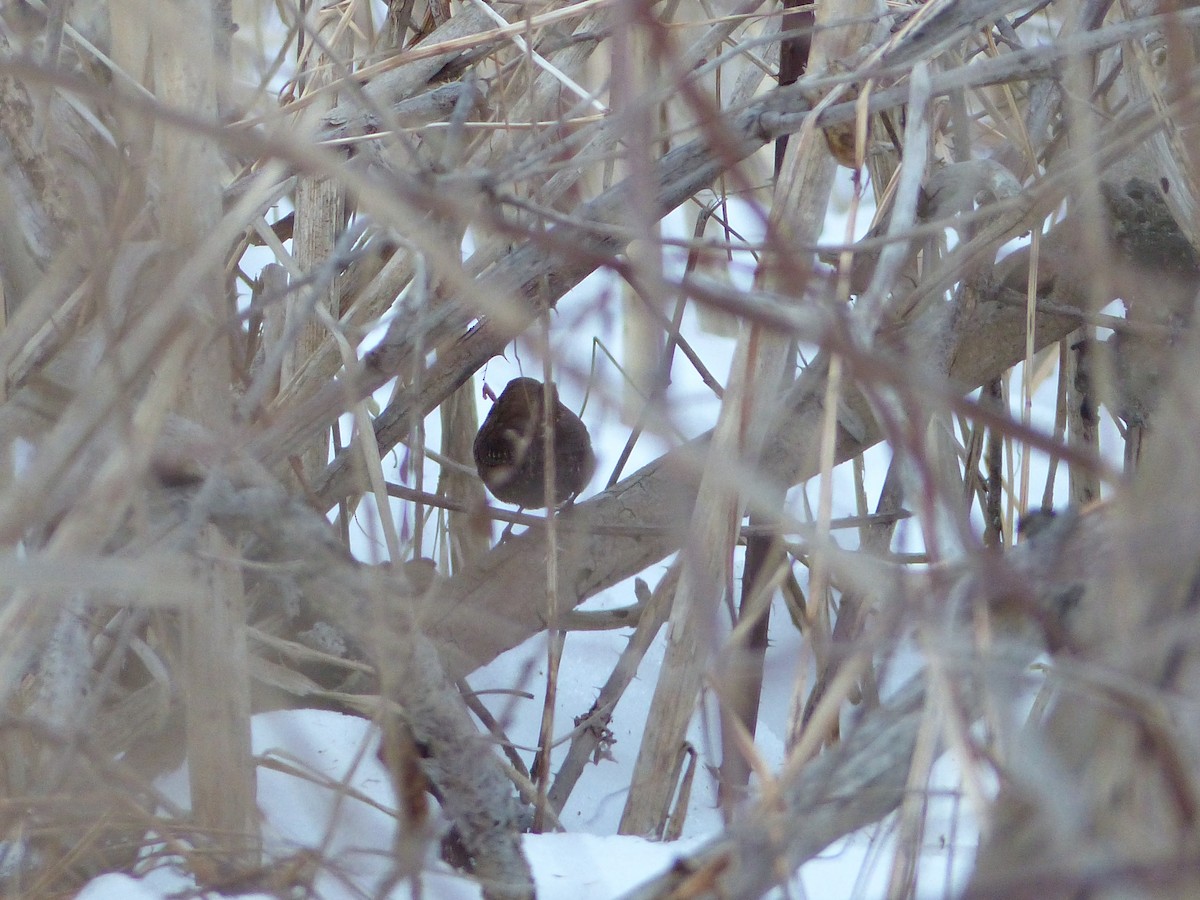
pixel 510 454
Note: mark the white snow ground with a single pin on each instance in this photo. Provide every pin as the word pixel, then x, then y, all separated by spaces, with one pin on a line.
pixel 590 862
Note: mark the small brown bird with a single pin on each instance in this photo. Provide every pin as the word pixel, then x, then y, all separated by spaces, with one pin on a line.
pixel 510 451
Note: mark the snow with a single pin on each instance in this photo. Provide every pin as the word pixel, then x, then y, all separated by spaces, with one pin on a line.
pixel 305 811
pixel 331 749
pixel 330 756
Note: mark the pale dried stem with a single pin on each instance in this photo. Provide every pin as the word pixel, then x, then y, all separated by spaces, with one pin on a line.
pixel 214 657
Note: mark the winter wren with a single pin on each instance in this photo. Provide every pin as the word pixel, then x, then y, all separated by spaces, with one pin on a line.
pixel 510 450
